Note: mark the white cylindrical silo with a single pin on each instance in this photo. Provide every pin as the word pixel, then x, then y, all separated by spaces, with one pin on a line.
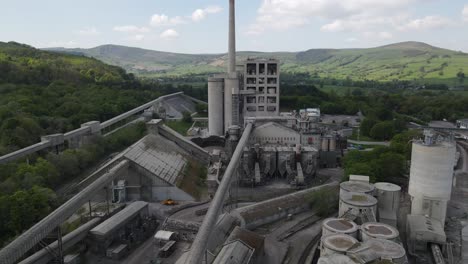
pixel 387 250
pixel 333 226
pixel 388 196
pixel 357 186
pixel 336 244
pixel 216 106
pixel 356 204
pixel 372 230
pixel 431 176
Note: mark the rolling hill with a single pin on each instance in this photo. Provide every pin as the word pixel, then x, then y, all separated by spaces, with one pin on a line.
pixel 402 61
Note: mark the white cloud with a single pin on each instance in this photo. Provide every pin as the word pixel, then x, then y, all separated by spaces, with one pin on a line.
pixel 286 14
pixel 425 23
pixel 138 37
pixel 91 31
pixel 201 14
pixel 163 20
pixel 385 35
pixel 377 36
pixel 351 40
pixel 64 44
pixel 131 29
pixel 465 13
pixel 169 34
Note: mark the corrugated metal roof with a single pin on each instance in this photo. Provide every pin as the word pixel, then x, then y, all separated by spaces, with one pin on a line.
pixel 252 239
pixel 119 219
pixel 159 156
pixel 235 252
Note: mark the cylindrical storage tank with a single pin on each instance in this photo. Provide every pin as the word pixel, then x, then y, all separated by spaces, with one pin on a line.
pixel 357 187
pixel 324 144
pixel 333 226
pixel 387 250
pixel 216 106
pixel 431 177
pixel 336 244
pixel 357 203
pixel 371 230
pixel 388 196
pixel 335 259
pixel 332 144
pixel 231 87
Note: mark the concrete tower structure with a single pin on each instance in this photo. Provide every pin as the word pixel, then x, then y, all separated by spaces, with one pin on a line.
pixel 230 99
pixel 431 177
pixel 261 79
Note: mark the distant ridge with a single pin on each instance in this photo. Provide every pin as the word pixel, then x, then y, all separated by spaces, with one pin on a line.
pixel 403 61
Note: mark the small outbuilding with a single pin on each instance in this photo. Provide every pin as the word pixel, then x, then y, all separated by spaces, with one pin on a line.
pixel 163 236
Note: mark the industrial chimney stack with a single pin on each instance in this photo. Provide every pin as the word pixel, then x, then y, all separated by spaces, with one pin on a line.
pixel 232 37
pixel 223 90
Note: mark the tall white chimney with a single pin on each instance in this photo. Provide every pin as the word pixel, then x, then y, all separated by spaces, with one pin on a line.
pixel 232 37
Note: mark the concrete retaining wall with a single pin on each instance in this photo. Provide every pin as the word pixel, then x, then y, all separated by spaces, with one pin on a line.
pixel 262 213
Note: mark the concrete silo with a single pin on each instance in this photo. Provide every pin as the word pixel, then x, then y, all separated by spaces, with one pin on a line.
pixel 332 226
pixel 388 196
pixel 357 187
pixel 336 244
pixel 357 204
pixel 216 106
pixel 431 176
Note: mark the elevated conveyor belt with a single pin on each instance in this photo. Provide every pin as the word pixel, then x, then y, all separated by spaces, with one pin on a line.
pixel 199 244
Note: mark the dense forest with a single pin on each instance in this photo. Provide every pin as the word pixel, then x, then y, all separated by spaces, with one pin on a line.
pixel 386 110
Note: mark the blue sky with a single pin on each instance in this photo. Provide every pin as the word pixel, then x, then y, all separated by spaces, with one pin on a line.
pixel 200 26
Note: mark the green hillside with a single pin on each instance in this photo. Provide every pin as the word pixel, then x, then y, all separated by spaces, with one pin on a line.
pixel 400 61
pixel 45 92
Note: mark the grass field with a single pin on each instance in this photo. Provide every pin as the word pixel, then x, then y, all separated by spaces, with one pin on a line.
pixel 180 126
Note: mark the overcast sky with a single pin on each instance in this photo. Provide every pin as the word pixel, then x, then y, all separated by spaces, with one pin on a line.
pixel 200 26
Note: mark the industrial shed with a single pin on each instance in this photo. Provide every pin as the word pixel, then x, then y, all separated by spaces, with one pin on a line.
pixel 106 228
pixel 158 166
pixel 123 230
pixel 164 236
pixel 274 133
